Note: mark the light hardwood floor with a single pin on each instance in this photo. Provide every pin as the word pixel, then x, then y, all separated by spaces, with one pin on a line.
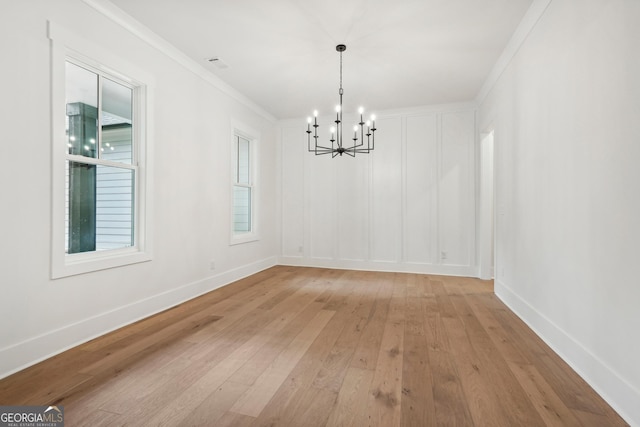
pixel 313 347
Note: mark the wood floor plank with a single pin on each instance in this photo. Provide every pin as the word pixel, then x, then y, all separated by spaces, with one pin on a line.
pixel 312 409
pixel 516 406
pixel 502 339
pixel 451 404
pixel 207 355
pixel 232 419
pixel 351 404
pixel 417 403
pixel 258 395
pixel 40 382
pixel 280 408
pixel 573 390
pixel 336 363
pixel 194 395
pixel 294 346
pixel 589 419
pixel 386 387
pixel 258 363
pixel 550 407
pixel 472 375
pixel 180 311
pixel 366 353
pixel 95 418
pixel 115 395
pixel 211 409
pixel 174 331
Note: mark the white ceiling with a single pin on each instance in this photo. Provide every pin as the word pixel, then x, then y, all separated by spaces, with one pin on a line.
pixel 281 53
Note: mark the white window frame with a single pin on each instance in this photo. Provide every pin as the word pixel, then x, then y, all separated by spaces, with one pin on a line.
pixel 66 46
pixel 239 129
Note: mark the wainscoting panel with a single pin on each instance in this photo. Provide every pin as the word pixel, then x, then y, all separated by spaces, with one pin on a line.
pixel 421 190
pixel 407 206
pixel 456 203
pixel 293 197
pixel 386 192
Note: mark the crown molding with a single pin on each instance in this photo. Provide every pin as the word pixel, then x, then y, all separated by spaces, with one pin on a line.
pixel 528 23
pixel 136 28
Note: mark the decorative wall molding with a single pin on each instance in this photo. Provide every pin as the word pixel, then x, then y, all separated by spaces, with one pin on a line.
pixel 39 348
pixel 121 18
pixel 612 387
pixel 383 211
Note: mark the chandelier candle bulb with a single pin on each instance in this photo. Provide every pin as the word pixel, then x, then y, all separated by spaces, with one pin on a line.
pixel 341 146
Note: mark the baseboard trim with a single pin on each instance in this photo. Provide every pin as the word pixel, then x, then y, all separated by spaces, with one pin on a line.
pixel 51 343
pixel 386 266
pixel 612 387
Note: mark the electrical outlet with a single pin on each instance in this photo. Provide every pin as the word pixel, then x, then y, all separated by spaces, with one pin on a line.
pixel 443 254
pixel 212 265
pixel 300 249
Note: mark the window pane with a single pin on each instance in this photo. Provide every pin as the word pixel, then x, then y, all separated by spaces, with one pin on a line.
pixel 241 209
pixel 117 139
pixel 242 165
pixel 81 97
pixel 99 207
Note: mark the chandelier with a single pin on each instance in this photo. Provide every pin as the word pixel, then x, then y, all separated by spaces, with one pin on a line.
pixel 339 144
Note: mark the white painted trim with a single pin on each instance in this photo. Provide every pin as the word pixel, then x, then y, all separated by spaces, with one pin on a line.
pixel 66 44
pixel 238 128
pixel 438 217
pixel 48 344
pixel 403 189
pixel 612 387
pixel 528 23
pixel 136 28
pixel 398 262
pixel 485 228
pixel 387 266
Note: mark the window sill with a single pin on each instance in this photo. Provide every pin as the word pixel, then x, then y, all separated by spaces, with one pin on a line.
pixel 239 239
pixel 71 265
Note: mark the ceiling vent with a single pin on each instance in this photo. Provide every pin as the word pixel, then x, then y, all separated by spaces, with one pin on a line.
pixel 218 62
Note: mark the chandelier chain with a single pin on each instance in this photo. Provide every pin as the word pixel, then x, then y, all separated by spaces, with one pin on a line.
pixel 340 71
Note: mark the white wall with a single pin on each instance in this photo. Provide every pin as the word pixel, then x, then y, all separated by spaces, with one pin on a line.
pixel 398 208
pixel 192 184
pixel 567 139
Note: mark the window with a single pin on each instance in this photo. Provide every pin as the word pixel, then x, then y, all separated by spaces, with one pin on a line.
pixel 100 165
pixel 99 200
pixel 244 189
